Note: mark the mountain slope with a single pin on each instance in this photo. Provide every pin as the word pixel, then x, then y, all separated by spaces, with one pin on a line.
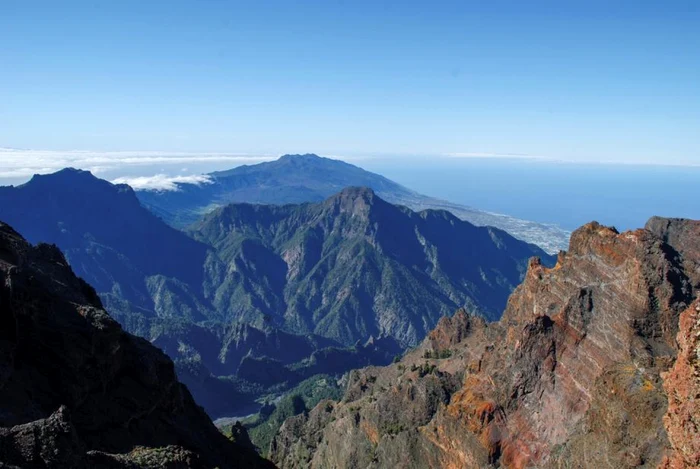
pixel 355 265
pixel 190 297
pixel 571 376
pixel 134 260
pixel 310 178
pixel 77 391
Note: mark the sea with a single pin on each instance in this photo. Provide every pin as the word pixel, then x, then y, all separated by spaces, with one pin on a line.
pixel 568 194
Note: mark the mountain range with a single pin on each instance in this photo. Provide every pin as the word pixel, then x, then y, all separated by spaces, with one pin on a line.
pixel 294 179
pixel 593 362
pixel 355 266
pixel 351 280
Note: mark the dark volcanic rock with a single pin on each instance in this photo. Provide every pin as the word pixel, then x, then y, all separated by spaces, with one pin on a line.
pixel 571 376
pixel 74 385
pixel 684 236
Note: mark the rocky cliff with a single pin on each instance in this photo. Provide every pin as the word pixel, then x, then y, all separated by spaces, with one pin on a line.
pixel 682 385
pixel 571 376
pixel 77 391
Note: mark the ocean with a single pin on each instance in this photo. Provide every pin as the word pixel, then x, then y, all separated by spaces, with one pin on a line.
pixel 568 194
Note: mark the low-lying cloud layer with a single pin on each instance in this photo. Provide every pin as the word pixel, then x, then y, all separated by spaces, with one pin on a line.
pixel 17 164
pixel 161 182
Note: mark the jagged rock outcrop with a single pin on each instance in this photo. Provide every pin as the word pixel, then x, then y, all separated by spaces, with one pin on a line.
pixel 569 377
pixel 77 391
pixel 684 236
pixel 682 385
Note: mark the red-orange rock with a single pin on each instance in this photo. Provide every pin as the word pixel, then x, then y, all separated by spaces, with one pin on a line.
pixel 569 377
pixel 682 385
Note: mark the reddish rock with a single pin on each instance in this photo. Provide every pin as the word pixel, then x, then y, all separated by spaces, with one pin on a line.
pixel 569 377
pixel 682 385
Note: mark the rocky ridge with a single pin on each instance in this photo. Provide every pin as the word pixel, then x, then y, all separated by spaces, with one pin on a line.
pixel 77 391
pixel 575 374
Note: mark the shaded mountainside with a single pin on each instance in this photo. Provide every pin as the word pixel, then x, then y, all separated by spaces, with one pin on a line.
pixel 326 271
pixel 228 367
pixel 150 277
pixel 579 372
pixel 294 179
pixel 136 262
pixel 355 266
pixel 77 391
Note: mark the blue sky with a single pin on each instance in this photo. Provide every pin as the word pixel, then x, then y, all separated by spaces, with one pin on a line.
pixel 570 80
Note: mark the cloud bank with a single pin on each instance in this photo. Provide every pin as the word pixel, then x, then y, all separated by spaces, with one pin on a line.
pixel 15 163
pixel 161 182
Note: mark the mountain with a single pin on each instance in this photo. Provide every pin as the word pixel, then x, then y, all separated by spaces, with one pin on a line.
pixel 77 391
pixel 311 178
pixel 150 277
pixel 229 366
pixel 136 262
pixel 592 365
pixel 355 266
pixel 216 305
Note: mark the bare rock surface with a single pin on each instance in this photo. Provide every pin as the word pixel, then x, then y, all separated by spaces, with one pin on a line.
pixel 571 376
pixel 682 385
pixel 77 391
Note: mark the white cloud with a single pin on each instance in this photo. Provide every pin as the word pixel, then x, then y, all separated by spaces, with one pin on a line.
pixel 16 163
pixel 161 182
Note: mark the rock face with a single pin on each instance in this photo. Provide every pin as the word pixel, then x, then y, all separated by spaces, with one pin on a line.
pixel 684 236
pixel 356 266
pixel 571 376
pixel 682 385
pixel 77 391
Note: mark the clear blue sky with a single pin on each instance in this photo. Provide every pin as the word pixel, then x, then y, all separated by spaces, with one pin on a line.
pixel 581 80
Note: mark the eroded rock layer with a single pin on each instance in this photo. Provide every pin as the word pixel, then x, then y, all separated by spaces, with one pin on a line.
pixel 682 385
pixel 571 376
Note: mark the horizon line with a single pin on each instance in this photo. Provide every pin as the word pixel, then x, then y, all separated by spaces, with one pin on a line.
pixel 144 157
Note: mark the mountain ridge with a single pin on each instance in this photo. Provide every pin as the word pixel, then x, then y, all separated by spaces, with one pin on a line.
pixel 184 295
pixel 77 391
pixel 311 178
pixel 102 228
pixel 313 261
